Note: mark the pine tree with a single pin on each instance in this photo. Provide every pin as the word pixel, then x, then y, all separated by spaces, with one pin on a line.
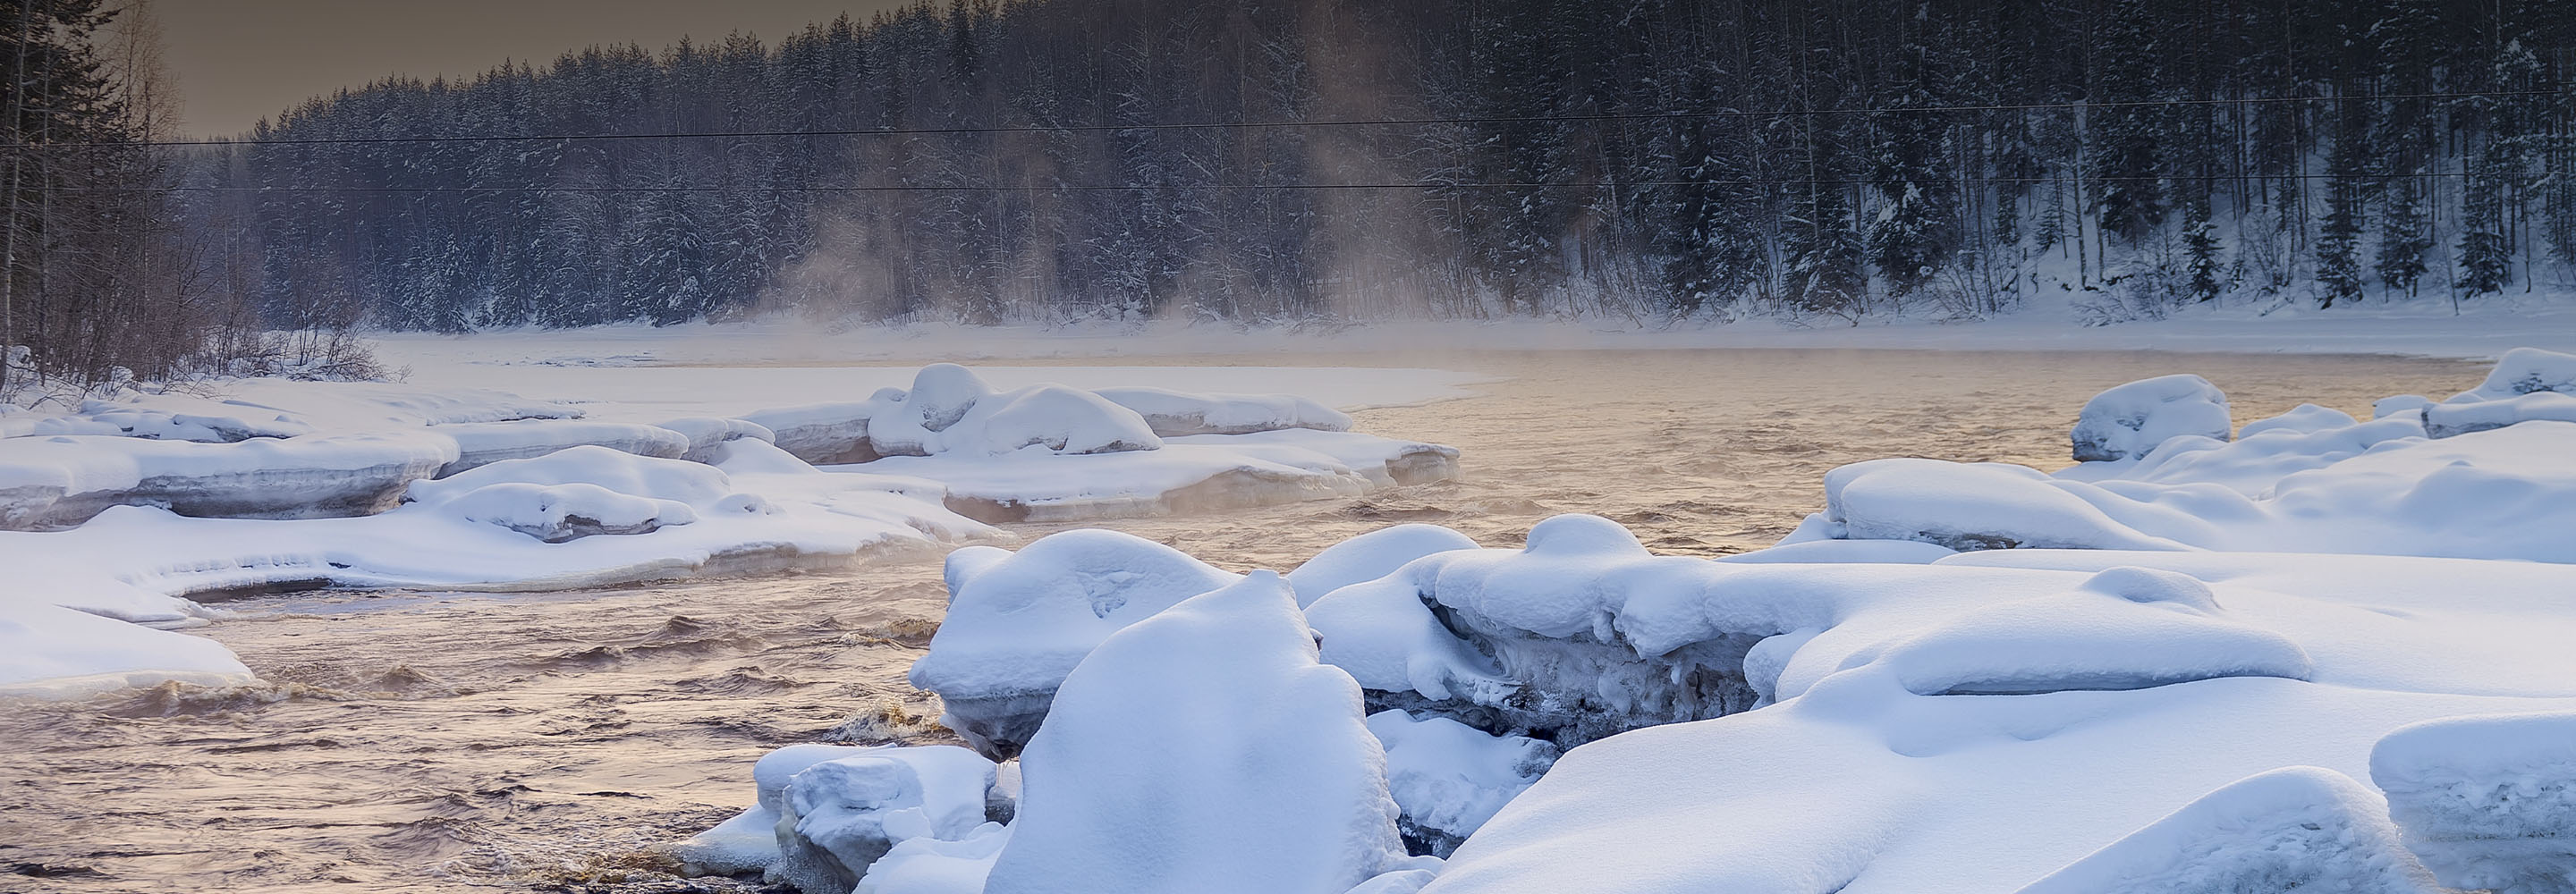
pixel 2200 240
pixel 2347 186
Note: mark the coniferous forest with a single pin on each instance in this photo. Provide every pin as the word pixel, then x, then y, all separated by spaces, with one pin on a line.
pixel 1045 160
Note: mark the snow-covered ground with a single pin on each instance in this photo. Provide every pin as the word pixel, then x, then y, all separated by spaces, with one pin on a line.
pixel 123 505
pixel 2315 653
pixel 2481 330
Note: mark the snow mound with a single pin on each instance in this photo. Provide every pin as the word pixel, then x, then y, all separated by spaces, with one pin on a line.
pixel 2489 802
pixel 1200 474
pixel 950 410
pixel 837 817
pixel 2131 420
pixel 1448 778
pixel 2126 628
pixel 2292 829
pixel 2524 371
pixel 1371 556
pixel 1204 749
pixel 1018 623
pixel 566 512
pixel 1175 414
pixel 673 480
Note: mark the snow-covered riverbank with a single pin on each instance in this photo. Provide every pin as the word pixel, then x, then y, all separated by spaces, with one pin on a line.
pixel 1864 708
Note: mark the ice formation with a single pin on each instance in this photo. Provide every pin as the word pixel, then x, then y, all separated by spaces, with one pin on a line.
pixel 2130 421
pixel 2489 802
pixel 1018 623
pixel 1449 778
pixel 147 495
pixel 837 817
pixel 1204 749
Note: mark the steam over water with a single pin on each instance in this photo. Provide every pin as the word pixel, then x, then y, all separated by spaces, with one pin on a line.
pixel 421 742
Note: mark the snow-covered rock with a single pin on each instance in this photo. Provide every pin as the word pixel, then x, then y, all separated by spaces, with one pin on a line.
pixel 2489 802
pixel 562 512
pixel 836 817
pixel 2129 421
pixel 613 470
pixel 2292 829
pixel 1199 474
pixel 1018 623
pixel 1174 414
pixel 1449 778
pixel 749 841
pixel 2524 371
pixel 1204 749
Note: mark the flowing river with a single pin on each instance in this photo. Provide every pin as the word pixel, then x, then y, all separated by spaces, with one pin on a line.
pixel 437 741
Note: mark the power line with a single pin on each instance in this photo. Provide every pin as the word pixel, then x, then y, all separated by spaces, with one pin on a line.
pixel 1367 122
pixel 1199 187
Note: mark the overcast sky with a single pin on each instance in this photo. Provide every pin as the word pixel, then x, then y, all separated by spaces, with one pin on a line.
pixel 240 60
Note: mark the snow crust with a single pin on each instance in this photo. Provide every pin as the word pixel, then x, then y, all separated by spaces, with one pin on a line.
pixel 1204 749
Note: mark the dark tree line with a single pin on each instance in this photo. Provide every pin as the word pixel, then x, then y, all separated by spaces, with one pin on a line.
pixel 1646 158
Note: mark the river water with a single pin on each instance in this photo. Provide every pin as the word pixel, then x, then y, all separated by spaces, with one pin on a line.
pixel 429 742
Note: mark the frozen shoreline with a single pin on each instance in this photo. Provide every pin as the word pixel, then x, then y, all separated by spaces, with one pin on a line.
pixel 2482 331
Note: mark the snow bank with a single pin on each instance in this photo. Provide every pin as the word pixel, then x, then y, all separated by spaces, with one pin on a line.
pixel 2296 828
pixel 1019 623
pixel 2488 802
pixel 1207 473
pixel 2131 420
pixel 1204 749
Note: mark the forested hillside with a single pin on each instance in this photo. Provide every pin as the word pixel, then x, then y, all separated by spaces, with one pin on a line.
pixel 1052 159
